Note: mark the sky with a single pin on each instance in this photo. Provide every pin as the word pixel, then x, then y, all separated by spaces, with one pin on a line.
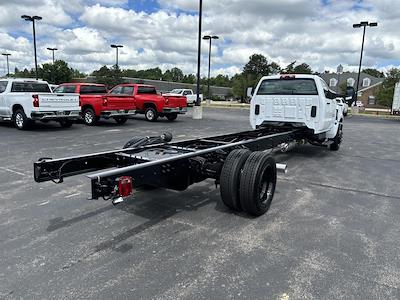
pixel 163 33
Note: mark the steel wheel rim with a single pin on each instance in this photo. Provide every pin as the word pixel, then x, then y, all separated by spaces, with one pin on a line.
pixel 88 117
pixel 19 120
pixel 150 114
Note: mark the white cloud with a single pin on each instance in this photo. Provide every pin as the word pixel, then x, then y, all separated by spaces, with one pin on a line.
pixel 282 30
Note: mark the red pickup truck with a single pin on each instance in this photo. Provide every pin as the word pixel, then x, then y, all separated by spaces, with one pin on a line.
pixel 96 103
pixel 149 103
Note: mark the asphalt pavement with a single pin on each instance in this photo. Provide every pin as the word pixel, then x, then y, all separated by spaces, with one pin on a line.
pixel 332 232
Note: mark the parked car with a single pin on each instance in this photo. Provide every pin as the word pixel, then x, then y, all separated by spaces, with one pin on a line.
pixel 150 103
pixel 188 93
pixel 97 103
pixel 343 105
pixel 24 101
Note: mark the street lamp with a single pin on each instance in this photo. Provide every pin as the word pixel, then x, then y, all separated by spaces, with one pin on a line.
pixel 52 50
pixel 364 25
pixel 198 103
pixel 32 19
pixel 116 48
pixel 339 70
pixel 210 38
pixel 8 66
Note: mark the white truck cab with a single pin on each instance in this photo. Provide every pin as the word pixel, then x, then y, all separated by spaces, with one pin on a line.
pixel 26 100
pixel 298 100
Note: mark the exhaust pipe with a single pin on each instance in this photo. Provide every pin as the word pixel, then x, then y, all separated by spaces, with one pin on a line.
pixel 281 168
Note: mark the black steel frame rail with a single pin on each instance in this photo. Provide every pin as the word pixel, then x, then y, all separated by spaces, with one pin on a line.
pixel 159 172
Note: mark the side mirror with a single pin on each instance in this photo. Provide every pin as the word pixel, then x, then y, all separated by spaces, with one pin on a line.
pixel 330 95
pixel 250 92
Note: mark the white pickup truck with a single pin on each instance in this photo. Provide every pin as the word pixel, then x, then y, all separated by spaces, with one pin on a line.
pixel 23 101
pixel 299 101
pixel 190 96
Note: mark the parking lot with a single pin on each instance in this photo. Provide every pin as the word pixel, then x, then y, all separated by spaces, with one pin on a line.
pixel 333 230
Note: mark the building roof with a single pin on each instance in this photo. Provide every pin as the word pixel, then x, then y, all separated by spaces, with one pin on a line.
pixel 347 75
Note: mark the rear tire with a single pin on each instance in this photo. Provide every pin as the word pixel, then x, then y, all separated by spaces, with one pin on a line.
pixel 21 121
pixel 66 123
pixel 230 178
pixel 120 120
pixel 257 183
pixel 172 116
pixel 151 114
pixel 89 117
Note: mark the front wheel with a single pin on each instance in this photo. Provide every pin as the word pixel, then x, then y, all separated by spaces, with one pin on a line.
pixel 66 123
pixel 21 121
pixel 151 114
pixel 337 140
pixel 89 117
pixel 172 116
pixel 120 120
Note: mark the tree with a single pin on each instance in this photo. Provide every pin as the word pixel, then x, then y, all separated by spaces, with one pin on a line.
pixel 110 77
pixel 302 69
pixel 257 66
pixel 290 67
pixel 343 88
pixel 386 91
pixel 56 73
pixel 374 72
pixel 274 68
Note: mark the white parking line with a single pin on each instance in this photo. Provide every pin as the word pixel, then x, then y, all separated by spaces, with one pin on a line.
pixel 12 171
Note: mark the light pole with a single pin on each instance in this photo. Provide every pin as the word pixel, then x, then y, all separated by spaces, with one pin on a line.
pixel 32 19
pixel 116 49
pixel 198 103
pixel 52 67
pixel 8 66
pixel 364 25
pixel 339 70
pixel 210 38
pixel 52 50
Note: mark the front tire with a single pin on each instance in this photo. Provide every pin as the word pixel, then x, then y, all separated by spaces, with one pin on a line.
pixel 257 183
pixel 21 121
pixel 151 114
pixel 337 140
pixel 172 116
pixel 89 117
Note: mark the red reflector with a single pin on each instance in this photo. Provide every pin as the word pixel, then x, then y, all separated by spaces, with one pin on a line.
pixel 125 186
pixel 35 100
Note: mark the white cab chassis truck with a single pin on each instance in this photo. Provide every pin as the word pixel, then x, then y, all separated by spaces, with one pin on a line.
pixel 24 101
pixel 285 111
pixel 300 101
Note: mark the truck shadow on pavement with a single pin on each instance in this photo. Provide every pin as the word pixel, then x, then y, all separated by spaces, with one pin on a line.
pixel 155 206
pixel 158 205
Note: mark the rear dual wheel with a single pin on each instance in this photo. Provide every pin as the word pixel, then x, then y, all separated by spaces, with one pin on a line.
pixel 248 181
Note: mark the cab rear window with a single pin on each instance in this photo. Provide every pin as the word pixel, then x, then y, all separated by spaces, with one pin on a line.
pixel 93 89
pixel 30 87
pixel 293 86
pixel 146 90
